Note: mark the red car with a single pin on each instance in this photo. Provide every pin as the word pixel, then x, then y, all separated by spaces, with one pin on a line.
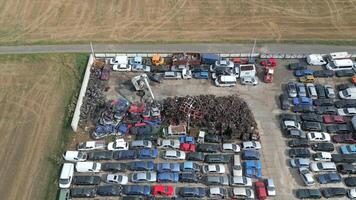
pixel 335 119
pixel 261 190
pixel 344 138
pixel 162 190
pixel 105 74
pixel 187 147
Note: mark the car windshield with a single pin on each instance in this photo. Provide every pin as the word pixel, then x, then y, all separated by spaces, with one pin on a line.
pixel 81 154
pixel 63 181
pixel 345 93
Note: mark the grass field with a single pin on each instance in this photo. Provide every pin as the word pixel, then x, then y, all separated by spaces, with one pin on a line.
pixel 35 91
pixel 67 21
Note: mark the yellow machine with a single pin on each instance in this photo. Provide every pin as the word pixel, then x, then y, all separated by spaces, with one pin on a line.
pixel 157 60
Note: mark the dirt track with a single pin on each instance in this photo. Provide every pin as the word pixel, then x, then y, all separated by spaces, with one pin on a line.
pixel 29 21
pixel 32 94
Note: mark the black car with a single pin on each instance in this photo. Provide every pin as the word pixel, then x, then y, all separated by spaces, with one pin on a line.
pixel 323 146
pixel 86 180
pixel 312 126
pixel 113 167
pixel 299 153
pixel 82 192
pixel 125 155
pixel 100 155
pixel 332 177
pixel 290 116
pixel 323 102
pixel 344 86
pixel 297 66
pixel 139 190
pixel 109 190
pixel 311 117
pixel 345 73
pixel 326 110
pixel 308 194
pixel 303 109
pixel 216 180
pixel 333 192
pixel 299 143
pixel 343 158
pixel 151 137
pixel 212 138
pixel 188 177
pixel 141 166
pixel 284 102
pixel 339 128
pixel 295 133
pixel 345 103
pixel 198 192
pixel 209 148
pixel 324 73
pixel 350 181
pixel 217 158
pixel 346 168
pixel 144 130
pixel 195 156
pixel 321 91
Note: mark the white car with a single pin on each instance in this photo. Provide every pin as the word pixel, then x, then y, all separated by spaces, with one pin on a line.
pixel 167 143
pixel 318 137
pixel 346 111
pixel 243 193
pixel 247 80
pixel 323 167
pixel 322 156
pixel 75 156
pixel 174 155
pixel 120 63
pixel 121 179
pixel 351 193
pixel 251 145
pixel 290 124
pixel 306 176
pixel 66 176
pixel 118 145
pixel 219 169
pixel 91 145
pixel 271 188
pixel 312 91
pixel 329 90
pixel 241 181
pixel 237 168
pixel 88 167
pixel 229 147
pixel 316 59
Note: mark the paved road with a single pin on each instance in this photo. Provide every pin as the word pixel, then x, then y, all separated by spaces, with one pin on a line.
pixel 208 48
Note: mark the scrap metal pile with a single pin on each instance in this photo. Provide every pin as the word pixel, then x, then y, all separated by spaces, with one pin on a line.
pixel 227 115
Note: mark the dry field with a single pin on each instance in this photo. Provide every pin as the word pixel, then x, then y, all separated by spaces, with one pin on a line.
pixel 34 90
pixel 65 21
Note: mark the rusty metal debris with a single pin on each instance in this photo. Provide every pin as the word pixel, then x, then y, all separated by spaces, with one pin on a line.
pixel 229 116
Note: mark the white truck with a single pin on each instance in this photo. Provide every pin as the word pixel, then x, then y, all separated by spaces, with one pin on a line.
pixel 248 74
pixel 91 145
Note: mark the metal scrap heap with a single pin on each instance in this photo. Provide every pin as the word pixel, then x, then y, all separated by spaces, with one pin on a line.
pixel 229 116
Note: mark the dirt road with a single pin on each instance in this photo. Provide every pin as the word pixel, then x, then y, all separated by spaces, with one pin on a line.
pixel 33 91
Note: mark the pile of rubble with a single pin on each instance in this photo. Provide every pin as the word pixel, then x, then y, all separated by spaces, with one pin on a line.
pixel 93 100
pixel 229 116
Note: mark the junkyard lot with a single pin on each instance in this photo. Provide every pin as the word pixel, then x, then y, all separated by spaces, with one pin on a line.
pixel 262 99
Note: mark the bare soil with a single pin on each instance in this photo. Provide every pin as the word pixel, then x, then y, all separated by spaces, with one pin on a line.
pixel 36 21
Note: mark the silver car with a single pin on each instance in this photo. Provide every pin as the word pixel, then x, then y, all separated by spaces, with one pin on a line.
pixel 140 177
pixel 241 181
pixel 291 89
pixel 169 143
pixel 306 176
pixel 141 144
pixel 329 90
pixel 300 162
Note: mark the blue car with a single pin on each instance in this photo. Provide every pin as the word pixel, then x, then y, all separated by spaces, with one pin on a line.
pixel 302 101
pixel 147 154
pixel 139 190
pixel 187 139
pixel 190 166
pixel 168 167
pixel 251 155
pixel 168 177
pixel 303 72
pixel 329 178
pixel 348 149
pixel 252 164
pixel 201 75
pixel 253 173
pixel 142 166
pixel 252 169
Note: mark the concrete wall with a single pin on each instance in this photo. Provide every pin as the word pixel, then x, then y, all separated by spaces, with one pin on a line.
pixel 83 89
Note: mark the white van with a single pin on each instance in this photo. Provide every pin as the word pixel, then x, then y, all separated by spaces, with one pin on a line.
pixel 66 175
pixel 88 167
pixel 337 65
pixel 225 81
pixel 75 156
pixel 349 93
pixel 315 59
pixel 338 55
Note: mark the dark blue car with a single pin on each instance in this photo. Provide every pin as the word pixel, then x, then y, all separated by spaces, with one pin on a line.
pixel 329 178
pixel 142 166
pixel 201 75
pixel 125 155
pixel 139 190
pixel 302 101
pixel 187 139
pixel 303 72
pixel 167 177
pixel 250 155
pixel 192 192
pixel 147 154
pixel 168 167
